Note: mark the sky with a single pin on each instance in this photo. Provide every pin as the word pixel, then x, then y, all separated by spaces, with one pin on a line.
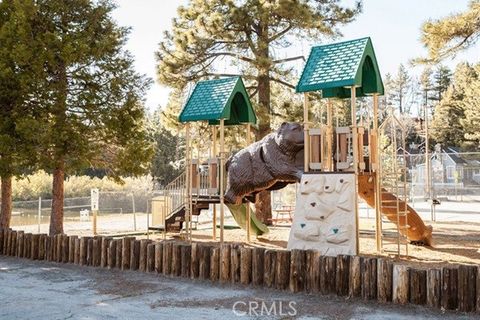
pixel 394 26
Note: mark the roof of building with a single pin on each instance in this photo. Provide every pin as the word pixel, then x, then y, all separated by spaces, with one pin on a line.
pixel 334 67
pixel 224 98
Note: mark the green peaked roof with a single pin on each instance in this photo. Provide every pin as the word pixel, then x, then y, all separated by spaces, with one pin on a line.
pixel 333 67
pixel 217 99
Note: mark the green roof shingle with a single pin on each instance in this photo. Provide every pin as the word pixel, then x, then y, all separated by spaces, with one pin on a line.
pixel 217 99
pixel 333 67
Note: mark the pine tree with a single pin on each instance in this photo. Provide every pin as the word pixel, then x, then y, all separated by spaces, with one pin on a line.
pixel 447 36
pixel 245 33
pixel 441 81
pixel 91 97
pixel 400 89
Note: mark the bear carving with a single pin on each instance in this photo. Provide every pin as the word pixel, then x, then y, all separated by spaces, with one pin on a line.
pixel 267 164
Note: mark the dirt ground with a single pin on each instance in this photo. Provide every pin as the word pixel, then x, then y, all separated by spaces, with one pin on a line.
pixel 47 290
pixel 454 242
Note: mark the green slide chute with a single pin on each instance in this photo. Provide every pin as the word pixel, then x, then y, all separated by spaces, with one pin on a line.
pixel 239 213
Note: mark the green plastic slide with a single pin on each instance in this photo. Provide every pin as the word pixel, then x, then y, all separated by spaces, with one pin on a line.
pixel 239 213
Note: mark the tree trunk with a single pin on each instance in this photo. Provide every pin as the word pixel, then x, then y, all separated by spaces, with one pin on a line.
pixel 6 198
pixel 56 217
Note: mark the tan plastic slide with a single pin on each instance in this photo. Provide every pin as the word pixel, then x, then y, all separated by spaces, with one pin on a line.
pixel 417 231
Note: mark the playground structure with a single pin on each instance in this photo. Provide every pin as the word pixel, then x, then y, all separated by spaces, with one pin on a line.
pixel 367 154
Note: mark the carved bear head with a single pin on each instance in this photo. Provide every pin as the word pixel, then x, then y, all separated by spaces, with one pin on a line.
pixel 290 136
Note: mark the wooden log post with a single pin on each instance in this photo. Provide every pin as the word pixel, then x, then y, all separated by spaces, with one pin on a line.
pixel 369 278
pixel 158 257
pixel 258 254
pixel 118 255
pixel 126 248
pixel 83 251
pixel 176 259
pixel 2 236
pixel 328 269
pixel 400 284
pixel 282 270
pixel 42 247
pixel 27 247
pixel 71 248
pixel 384 280
pixel 204 262
pixel 225 252
pixel 135 255
pixel 215 264
pixel 65 247
pixel 20 243
pixel 35 246
pixel 186 259
pixel 76 256
pixel 151 257
pixel 313 271
pixel 450 288
pixel 58 248
pixel 298 270
pixel 245 265
pixel 104 251
pixel 467 292
pixel 270 267
pixel 342 275
pixel 167 258
pixel 97 254
pixel 48 249
pixel 418 286
pixel 194 261
pixel 142 264
pixel 90 251
pixel 235 263
pixel 13 243
pixel 112 254
pixel 434 288
pixel 478 289
pixel 355 281
pixel 8 242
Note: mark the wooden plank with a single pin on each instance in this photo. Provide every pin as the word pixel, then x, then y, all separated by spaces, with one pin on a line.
pixel 258 254
pixel 270 267
pixel 449 288
pixel 313 271
pixel 71 248
pixel 298 270
pixel 176 259
pixel 418 286
pixel 355 281
pixel 151 257
pixel 158 257
pixel 235 263
pixel 384 280
pixel 167 258
pixel 35 246
pixel 186 259
pixel 135 255
pixel 142 264
pixel 20 243
pixel 64 247
pixel 400 284
pixel 215 264
pixel 194 261
pixel 328 268
pixel 119 254
pixel 126 248
pixel 342 275
pixel 369 278
pixel 282 270
pixel 225 252
pixel 104 251
pixel 42 246
pixel 246 265
pixel 434 288
pixel 204 262
pixel 112 254
pixel 467 282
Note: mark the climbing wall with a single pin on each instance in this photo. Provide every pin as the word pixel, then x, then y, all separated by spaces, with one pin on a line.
pixel 325 214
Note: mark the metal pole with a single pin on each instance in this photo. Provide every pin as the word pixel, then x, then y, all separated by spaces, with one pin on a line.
pixel 39 213
pixel 148 222
pixel 355 160
pixel 428 165
pixel 306 147
pixel 222 174
pixel 134 213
